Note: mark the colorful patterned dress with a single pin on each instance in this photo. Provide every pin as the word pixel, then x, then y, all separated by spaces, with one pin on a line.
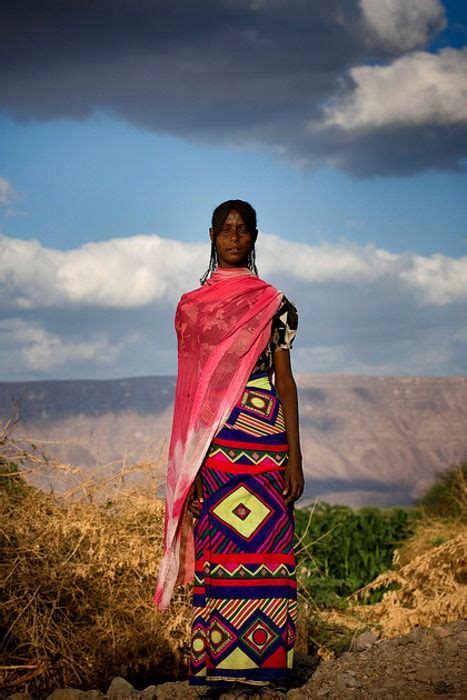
pixel 244 595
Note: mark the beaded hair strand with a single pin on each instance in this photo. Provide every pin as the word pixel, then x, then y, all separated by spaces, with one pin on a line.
pixel 213 261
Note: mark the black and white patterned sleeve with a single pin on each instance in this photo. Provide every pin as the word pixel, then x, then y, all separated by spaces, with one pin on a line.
pixel 284 325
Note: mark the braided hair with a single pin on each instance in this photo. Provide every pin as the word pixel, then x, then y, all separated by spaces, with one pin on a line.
pixel 219 216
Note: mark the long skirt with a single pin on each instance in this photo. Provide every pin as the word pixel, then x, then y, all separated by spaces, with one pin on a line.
pixel 243 624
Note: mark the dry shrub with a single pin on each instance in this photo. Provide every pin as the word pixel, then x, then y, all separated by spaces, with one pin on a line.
pixel 429 533
pixel 429 589
pixel 78 580
pixel 427 586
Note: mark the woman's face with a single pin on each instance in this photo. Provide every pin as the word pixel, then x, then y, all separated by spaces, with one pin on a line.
pixel 233 241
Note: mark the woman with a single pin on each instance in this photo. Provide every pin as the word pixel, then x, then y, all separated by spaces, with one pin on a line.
pixel 234 469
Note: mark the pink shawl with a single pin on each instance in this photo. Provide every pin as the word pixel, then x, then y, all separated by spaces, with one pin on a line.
pixel 222 328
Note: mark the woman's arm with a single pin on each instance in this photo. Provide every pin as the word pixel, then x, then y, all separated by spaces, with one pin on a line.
pixel 287 390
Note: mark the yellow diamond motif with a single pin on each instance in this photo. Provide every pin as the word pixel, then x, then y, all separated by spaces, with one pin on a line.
pixel 258 511
pixel 257 401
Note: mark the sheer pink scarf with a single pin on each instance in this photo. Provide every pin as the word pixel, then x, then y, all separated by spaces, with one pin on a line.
pixel 222 328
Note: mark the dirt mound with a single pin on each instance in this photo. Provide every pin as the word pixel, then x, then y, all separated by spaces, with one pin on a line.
pixel 426 663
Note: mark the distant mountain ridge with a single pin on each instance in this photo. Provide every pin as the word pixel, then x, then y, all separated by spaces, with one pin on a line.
pixel 365 439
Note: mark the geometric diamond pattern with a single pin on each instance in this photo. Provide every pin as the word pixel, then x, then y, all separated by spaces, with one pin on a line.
pixel 244 588
pixel 198 643
pixel 221 638
pixel 259 636
pixel 242 511
pixel 258 403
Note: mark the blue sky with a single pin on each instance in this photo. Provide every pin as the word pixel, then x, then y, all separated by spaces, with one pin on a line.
pixel 347 137
pixel 91 180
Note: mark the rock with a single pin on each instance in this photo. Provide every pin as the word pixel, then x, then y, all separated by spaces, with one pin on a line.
pixel 346 679
pixel 19 696
pixel 341 682
pixel 424 675
pixel 364 641
pixel 416 634
pixel 65 694
pixel 403 641
pixel 443 687
pixel 180 690
pixel 149 693
pixel 441 632
pixel 295 694
pixel 119 688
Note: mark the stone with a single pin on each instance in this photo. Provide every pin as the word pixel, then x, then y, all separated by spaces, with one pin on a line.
pixel 119 688
pixel 180 690
pixel 65 694
pixel 416 635
pixel 364 641
pixel 424 675
pixel 442 687
pixel 341 681
pixel 346 679
pixel 441 632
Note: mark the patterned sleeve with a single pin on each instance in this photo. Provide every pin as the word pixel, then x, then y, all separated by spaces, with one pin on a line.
pixel 284 325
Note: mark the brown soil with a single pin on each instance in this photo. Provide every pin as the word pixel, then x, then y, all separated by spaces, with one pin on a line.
pixel 426 663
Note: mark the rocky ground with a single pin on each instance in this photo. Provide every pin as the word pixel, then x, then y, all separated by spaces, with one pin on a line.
pixel 426 663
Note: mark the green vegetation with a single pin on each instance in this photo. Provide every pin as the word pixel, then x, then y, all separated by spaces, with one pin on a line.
pixel 339 549
pixel 447 496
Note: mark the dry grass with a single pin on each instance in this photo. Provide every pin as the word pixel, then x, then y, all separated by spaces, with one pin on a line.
pixel 79 571
pixel 427 586
pixel 429 589
pixel 77 586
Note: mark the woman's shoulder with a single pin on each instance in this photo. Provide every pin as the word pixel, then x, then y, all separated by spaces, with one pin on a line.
pixel 287 311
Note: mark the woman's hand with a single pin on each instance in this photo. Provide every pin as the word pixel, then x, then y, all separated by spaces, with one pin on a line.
pixel 195 497
pixel 294 481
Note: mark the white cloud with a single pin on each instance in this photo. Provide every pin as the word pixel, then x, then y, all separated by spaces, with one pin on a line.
pixel 120 272
pixel 345 262
pixel 416 89
pixel 136 271
pixel 41 350
pixel 403 24
pixel 106 308
pixel 439 279
pixel 7 192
